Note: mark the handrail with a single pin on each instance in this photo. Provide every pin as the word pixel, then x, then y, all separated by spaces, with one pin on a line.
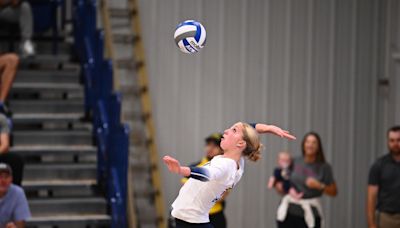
pixel 109 53
pixel 112 136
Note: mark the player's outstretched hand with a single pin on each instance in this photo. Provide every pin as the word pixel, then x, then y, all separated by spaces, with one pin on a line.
pixel 172 164
pixel 264 128
pixel 280 132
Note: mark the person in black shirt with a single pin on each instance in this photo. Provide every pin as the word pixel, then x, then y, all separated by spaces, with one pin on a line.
pixel 384 186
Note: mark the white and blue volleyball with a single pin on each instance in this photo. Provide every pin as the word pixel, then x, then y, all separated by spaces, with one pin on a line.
pixel 190 36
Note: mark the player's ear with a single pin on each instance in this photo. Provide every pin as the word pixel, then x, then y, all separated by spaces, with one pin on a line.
pixel 241 144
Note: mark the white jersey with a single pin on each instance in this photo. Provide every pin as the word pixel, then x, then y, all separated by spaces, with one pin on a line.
pixel 196 197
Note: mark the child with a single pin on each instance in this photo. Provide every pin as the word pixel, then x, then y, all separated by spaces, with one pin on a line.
pixel 282 174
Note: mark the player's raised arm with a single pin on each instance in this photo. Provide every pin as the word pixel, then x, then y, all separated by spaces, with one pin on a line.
pixel 265 128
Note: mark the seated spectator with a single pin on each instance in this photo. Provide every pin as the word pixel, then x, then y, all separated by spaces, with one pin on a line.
pixel 8 69
pixel 14 209
pixel 14 160
pixel 19 12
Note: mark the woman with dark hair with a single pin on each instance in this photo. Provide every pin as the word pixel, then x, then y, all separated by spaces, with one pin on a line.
pixel 312 176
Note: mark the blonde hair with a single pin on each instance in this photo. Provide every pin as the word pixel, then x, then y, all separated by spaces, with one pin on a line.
pixel 253 144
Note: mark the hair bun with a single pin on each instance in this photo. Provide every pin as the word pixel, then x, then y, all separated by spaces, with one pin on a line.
pixel 256 155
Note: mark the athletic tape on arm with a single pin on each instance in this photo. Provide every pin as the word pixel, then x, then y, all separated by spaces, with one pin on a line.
pixel 200 173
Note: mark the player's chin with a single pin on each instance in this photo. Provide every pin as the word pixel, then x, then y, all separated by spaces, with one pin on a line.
pixel 223 145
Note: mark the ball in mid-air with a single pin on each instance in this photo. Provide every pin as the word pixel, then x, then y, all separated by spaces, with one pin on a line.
pixel 190 36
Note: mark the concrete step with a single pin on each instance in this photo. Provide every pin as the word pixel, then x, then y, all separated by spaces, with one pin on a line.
pixel 56 153
pixel 138 139
pixel 121 12
pixel 138 152
pixel 145 193
pixel 28 118
pixel 120 24
pixel 43 171
pixel 132 91
pixel 46 48
pixel 60 188
pixel 46 60
pixel 56 150
pixel 46 106
pixel 67 206
pixel 132 115
pixel 146 213
pixel 53 126
pixel 148 219
pixel 138 166
pixel 126 63
pixel 126 38
pixel 74 221
pixel 48 76
pixel 57 184
pixel 39 87
pixel 62 137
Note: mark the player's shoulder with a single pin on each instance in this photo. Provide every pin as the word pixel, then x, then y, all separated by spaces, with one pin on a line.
pixel 223 161
pixel 217 158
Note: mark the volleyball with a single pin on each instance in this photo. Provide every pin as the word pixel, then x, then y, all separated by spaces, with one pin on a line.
pixel 190 36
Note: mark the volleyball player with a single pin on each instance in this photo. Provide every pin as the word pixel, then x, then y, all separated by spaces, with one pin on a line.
pixel 208 184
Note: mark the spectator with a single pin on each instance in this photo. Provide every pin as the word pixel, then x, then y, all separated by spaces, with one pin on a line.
pixel 14 209
pixel 19 12
pixel 282 175
pixel 312 177
pixel 14 160
pixel 384 186
pixel 8 69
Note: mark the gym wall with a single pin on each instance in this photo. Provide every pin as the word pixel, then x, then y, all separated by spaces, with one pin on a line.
pixel 303 65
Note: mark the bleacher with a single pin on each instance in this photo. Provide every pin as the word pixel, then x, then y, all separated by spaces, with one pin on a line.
pixel 66 121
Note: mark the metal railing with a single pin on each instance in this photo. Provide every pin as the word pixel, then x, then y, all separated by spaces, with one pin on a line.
pixel 110 54
pixel 111 136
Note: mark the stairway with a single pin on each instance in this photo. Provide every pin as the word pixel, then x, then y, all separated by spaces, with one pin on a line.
pixel 50 132
pixel 119 20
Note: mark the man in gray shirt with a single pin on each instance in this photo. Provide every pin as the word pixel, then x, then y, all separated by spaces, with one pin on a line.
pixel 14 209
pixel 384 186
